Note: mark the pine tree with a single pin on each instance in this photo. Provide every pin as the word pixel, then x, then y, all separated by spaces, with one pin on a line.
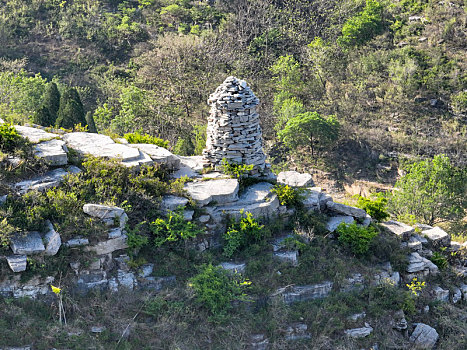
pixel 52 100
pixel 44 117
pixel 71 111
pixel 90 121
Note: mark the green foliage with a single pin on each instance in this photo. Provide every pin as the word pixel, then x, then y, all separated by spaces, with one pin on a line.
pixel 374 206
pixel 173 229
pixel 358 239
pixel 136 137
pixel 135 240
pixel 459 102
pixel 289 196
pixel 241 233
pixel 288 109
pixel 308 129
pixel 51 100
pixel 364 26
pixel 184 146
pixel 9 137
pixel 43 117
pixel 71 111
pixel 215 290
pixel 439 260
pixel 236 170
pixel 6 231
pixel 200 139
pixel 432 191
pixel 90 122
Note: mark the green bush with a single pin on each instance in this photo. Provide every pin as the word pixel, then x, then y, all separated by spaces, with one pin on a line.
pixel 173 229
pixel 136 137
pixel 9 137
pixel 71 111
pixel 236 170
pixel 375 206
pixel 364 26
pixel 241 233
pixel 289 196
pixel 215 289
pixel 358 239
pixel 439 260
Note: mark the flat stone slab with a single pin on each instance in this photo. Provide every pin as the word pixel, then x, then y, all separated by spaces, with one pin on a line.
pixel 220 191
pixel 304 293
pixel 109 246
pixel 400 229
pixel 49 180
pixel 418 263
pixel 346 210
pixel 256 193
pixel 424 336
pixel 17 263
pixel 105 213
pixel 437 237
pixel 158 154
pixel 195 163
pixel 335 221
pixel 28 244
pixel 184 171
pixel 100 146
pixel 359 332
pixel 52 240
pixel 295 179
pixel 54 152
pixel 172 203
pixel 77 242
pixel 35 135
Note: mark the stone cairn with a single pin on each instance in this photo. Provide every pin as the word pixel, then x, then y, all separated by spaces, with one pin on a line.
pixel 233 130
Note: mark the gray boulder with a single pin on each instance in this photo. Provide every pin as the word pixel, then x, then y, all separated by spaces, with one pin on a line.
pixel 220 191
pixel 343 209
pixel 172 203
pixel 27 244
pixel 54 152
pixel 233 267
pixel 441 294
pixel 424 336
pixel 400 229
pixel 106 213
pixel 77 242
pixel 159 155
pixel 421 266
pixel 335 221
pixel 295 294
pixel 295 179
pixel 357 333
pixel 44 182
pixel 17 263
pixel 109 246
pixel 52 240
pixel 437 237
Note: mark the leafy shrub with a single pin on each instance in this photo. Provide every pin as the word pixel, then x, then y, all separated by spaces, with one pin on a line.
pixel 71 111
pixel 289 196
pixel 241 233
pixel 173 229
pixel 357 239
pixel 9 137
pixel 136 137
pixel 215 289
pixel 439 260
pixel 364 26
pixel 236 170
pixel 135 240
pixel 375 207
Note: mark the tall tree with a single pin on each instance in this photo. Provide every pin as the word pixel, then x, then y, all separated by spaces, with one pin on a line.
pixel 71 111
pixel 43 117
pixel 52 100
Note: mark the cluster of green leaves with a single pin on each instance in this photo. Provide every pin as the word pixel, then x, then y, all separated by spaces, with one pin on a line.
pixel 174 229
pixel 432 191
pixel 241 233
pixel 9 137
pixel 236 170
pixel 215 290
pixel 308 129
pixel 364 26
pixel 357 238
pixel 375 206
pixel 439 260
pixel 136 137
pixel 101 181
pixel 289 196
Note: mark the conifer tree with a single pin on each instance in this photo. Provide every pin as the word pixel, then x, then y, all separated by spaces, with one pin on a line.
pixel 90 121
pixel 44 117
pixel 52 100
pixel 71 111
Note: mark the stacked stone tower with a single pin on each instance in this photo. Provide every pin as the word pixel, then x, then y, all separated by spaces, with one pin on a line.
pixel 233 130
